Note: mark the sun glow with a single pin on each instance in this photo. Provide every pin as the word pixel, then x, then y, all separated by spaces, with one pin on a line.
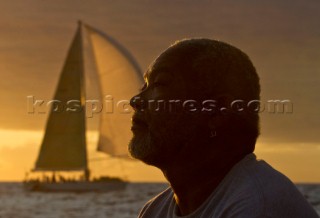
pixel 19 150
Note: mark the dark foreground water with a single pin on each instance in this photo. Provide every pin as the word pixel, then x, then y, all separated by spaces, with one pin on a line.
pixel 17 203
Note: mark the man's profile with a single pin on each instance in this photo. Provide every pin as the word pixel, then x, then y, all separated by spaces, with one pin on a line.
pixel 190 122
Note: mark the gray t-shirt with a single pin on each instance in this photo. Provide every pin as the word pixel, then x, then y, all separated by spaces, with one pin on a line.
pixel 251 189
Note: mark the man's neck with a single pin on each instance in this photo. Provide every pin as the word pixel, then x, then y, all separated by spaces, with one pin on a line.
pixel 193 183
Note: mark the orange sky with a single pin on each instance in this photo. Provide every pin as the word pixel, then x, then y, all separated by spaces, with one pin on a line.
pixel 281 38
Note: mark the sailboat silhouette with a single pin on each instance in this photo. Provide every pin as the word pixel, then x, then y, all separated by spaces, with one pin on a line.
pixel 64 146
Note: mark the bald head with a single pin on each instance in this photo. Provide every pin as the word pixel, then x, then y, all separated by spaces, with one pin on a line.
pixel 215 68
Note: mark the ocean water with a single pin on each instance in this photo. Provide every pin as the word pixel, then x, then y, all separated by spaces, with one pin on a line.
pixel 17 203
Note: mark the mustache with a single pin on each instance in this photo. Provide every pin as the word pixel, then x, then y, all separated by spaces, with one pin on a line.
pixel 139 119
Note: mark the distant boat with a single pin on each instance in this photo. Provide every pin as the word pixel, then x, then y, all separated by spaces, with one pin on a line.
pixel 64 146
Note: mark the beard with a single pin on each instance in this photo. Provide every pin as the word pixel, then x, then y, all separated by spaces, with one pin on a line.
pixel 140 145
pixel 160 143
pixel 156 149
pixel 156 143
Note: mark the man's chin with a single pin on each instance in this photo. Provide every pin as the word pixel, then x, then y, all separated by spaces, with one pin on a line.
pixel 142 149
pixel 139 147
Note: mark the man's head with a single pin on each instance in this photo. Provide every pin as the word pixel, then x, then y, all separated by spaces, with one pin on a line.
pixel 187 103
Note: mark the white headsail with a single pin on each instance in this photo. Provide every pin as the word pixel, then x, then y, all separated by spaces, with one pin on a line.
pixel 121 78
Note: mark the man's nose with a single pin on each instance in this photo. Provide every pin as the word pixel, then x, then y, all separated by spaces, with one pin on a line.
pixel 138 103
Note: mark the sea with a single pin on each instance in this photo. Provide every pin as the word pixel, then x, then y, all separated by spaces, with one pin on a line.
pixel 15 202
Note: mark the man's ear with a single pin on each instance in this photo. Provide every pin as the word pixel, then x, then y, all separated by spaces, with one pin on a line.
pixel 219 119
pixel 224 102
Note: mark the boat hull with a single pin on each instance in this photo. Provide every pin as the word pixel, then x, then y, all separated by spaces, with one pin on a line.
pixel 75 186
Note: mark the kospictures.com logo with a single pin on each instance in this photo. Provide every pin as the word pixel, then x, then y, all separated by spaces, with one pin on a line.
pixel 109 105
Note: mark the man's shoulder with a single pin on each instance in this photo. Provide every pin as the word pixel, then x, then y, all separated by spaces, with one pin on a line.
pixel 261 178
pixel 273 191
pixel 266 180
pixel 260 175
pixel 158 204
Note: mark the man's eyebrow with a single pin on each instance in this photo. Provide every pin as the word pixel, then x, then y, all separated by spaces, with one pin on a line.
pixel 163 69
pixel 157 70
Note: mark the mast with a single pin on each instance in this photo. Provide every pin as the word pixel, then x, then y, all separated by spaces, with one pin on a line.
pixel 86 171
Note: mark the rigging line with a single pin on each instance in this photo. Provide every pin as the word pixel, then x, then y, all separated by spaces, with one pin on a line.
pixel 99 159
pixel 113 157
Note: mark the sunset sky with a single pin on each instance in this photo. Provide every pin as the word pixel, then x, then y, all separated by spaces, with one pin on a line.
pixel 282 38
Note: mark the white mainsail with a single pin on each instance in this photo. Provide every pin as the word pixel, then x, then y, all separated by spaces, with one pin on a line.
pixel 64 144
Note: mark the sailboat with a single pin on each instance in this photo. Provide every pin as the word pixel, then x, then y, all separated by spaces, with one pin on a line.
pixel 64 145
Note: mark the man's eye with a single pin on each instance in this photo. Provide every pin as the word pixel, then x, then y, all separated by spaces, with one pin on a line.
pixel 158 84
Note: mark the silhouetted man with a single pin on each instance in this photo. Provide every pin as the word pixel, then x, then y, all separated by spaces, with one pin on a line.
pixel 196 119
